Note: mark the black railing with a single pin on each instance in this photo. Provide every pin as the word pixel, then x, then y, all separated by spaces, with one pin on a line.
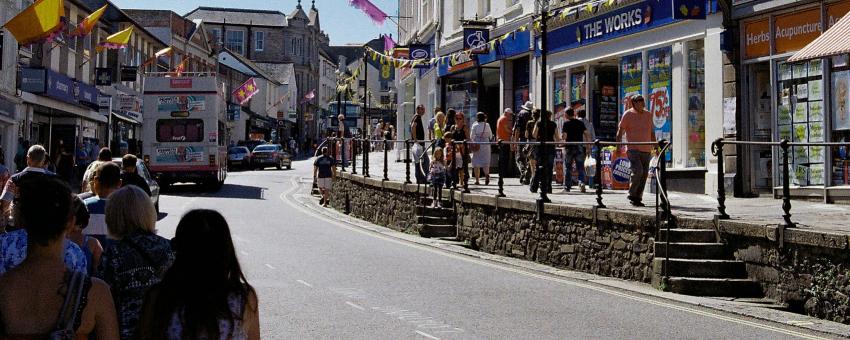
pixel 784 146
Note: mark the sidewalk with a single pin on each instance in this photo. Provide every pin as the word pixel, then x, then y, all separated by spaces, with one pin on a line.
pixel 831 218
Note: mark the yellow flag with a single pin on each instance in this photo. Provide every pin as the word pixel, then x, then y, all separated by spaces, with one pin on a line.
pixel 37 22
pixel 116 41
pixel 87 25
pixel 589 7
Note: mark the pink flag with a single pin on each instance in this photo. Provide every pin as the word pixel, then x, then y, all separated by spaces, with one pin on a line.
pixel 246 91
pixel 309 96
pixel 376 14
pixel 389 44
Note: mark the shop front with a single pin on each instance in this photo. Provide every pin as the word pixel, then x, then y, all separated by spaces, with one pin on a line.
pixel 652 49
pixel 506 71
pixel 126 124
pixel 469 88
pixel 803 101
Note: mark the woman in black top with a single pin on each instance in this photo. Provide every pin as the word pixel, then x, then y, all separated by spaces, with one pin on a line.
pixel 544 131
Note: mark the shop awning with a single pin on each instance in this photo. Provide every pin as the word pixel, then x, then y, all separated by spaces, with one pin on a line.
pixel 832 42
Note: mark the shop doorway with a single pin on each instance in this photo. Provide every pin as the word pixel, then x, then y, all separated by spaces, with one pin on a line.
pixel 757 167
pixel 604 108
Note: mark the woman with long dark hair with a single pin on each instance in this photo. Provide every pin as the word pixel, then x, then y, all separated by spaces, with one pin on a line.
pixel 204 295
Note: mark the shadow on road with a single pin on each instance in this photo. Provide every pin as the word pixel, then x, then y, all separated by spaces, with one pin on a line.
pixel 227 191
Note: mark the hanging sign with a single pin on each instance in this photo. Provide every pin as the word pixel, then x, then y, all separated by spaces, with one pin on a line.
pixel 420 54
pixel 476 40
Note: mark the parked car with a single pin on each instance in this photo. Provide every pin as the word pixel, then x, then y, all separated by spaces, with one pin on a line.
pixel 142 170
pixel 239 156
pixel 270 155
pixel 250 144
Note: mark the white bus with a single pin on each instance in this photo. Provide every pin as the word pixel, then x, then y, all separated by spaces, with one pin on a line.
pixel 184 129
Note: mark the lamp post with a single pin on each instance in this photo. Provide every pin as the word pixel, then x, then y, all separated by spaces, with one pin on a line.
pixel 544 8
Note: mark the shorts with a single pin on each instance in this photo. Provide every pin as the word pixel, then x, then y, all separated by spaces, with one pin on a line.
pixel 324 183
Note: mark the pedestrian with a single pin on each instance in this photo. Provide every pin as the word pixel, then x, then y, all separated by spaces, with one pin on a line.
pixel 130 174
pixel 545 131
pixel 324 173
pixel 14 243
pixel 503 134
pixel 36 161
pixel 460 133
pixel 21 154
pixel 106 180
pixel 431 122
pixel 82 158
pixel 65 165
pixel 103 156
pixel 481 133
pixel 582 116
pixel 452 159
pixel 417 130
pixel 204 295
pixel 530 149
pixel 574 131
pixel 41 288
pixel 519 135
pixel 437 174
pixel 91 247
pixel 378 135
pixel 5 174
pixel 137 258
pixel 636 125
pixel 440 128
pixel 450 119
pixel 293 147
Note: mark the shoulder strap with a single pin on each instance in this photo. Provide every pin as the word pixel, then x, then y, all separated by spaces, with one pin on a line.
pixel 68 313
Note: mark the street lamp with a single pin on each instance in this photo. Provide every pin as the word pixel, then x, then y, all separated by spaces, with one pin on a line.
pixel 544 11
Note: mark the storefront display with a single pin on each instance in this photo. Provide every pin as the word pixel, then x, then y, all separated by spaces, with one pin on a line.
pixel 661 94
pixel 631 79
pixel 840 119
pixel 800 95
pixel 696 104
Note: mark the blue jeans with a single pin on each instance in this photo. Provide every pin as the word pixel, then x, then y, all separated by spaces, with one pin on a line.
pixel 573 153
pixel 543 176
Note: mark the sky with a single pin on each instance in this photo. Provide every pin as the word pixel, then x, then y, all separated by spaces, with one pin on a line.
pixel 343 24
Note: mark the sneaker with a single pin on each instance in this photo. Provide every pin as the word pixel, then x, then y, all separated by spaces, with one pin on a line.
pixel 322 201
pixel 566 190
pixel 581 187
pixel 637 203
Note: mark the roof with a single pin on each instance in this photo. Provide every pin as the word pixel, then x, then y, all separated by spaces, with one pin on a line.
pixel 115 14
pixel 832 42
pixel 247 66
pixel 238 16
pixel 298 12
pixel 314 17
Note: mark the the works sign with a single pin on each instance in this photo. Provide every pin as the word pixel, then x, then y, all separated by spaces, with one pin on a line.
pixel 635 18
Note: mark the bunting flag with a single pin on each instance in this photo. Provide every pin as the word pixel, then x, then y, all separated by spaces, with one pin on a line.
pixel 309 96
pixel 85 27
pixel 116 41
pixel 373 12
pixel 161 53
pixel 246 91
pixel 389 43
pixel 37 22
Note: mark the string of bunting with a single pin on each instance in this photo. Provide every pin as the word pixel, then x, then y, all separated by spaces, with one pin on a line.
pixel 561 14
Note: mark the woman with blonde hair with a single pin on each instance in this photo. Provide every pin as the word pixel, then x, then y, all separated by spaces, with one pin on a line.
pixel 137 258
pixel 440 129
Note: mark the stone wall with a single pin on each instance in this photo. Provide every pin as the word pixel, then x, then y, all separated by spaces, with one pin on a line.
pixel 810 272
pixel 382 203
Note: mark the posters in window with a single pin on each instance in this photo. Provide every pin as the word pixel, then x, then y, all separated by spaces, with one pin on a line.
pixel 784 115
pixel 802 91
pixel 785 132
pixel 816 154
pixel 801 155
pixel 816 174
pixel 660 92
pixel 801 132
pixel 815 68
pixel 841 100
pixel 816 133
pixel 815 90
pixel 799 70
pixel 631 79
pixel 816 111
pixel 801 112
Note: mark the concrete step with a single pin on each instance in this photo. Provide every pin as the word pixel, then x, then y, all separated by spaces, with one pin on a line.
pixel 714 287
pixel 436 230
pixel 434 212
pixel 439 220
pixel 700 268
pixel 688 250
pixel 689 235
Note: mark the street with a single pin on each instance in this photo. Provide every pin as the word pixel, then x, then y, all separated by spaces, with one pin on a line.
pixel 319 278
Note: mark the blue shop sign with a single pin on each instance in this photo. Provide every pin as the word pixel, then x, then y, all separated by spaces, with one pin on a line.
pixel 516 43
pixel 60 87
pixel 87 94
pixel 631 19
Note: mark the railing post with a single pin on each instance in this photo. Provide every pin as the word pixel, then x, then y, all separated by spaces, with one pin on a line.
pixel 386 155
pixel 366 148
pixel 465 167
pixel 717 150
pixel 662 180
pixel 786 185
pixel 353 159
pixel 342 156
pixel 502 172
pixel 407 161
pixel 598 175
pixel 539 176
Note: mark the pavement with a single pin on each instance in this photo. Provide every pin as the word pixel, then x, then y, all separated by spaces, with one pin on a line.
pixel 831 218
pixel 320 274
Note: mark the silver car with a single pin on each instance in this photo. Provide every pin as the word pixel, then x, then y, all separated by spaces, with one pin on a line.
pixel 239 156
pixel 270 155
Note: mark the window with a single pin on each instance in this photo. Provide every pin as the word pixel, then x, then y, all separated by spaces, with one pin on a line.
pixel 180 130
pixel 235 41
pixel 259 40
pixel 458 8
pixel 696 104
pixel 427 11
pixel 483 8
pixel 216 33
pixel 292 46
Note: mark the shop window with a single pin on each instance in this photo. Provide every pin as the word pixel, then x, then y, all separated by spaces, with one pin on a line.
pixel 180 130
pixel 660 99
pixel 800 118
pixel 696 104
pixel 559 93
pixel 840 119
pixel 521 76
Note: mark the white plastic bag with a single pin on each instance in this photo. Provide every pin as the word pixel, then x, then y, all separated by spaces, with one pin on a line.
pixel 590 166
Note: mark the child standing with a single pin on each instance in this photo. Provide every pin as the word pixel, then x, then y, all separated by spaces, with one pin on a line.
pixel 437 173
pixel 449 152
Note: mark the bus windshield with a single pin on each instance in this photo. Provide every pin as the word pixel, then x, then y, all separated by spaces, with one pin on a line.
pixel 180 130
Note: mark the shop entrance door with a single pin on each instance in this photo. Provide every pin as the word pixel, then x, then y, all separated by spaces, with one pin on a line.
pixel 758 160
pixel 605 115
